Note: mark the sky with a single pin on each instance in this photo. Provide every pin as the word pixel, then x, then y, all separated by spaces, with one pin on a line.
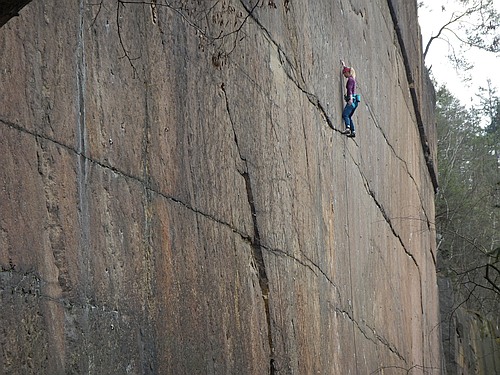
pixel 486 65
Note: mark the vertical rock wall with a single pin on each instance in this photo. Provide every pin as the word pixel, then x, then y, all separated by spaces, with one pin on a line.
pixel 177 198
pixel 470 340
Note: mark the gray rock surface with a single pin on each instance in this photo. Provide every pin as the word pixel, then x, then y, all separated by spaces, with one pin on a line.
pixel 470 340
pixel 10 9
pixel 174 199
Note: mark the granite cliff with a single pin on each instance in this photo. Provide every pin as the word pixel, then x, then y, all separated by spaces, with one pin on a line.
pixel 177 197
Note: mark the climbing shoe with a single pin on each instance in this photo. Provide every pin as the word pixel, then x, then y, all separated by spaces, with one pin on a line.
pixel 351 134
pixel 347 131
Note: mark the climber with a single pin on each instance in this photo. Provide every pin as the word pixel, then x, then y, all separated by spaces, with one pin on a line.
pixel 351 98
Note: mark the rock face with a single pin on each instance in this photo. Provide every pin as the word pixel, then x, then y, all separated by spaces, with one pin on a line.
pixel 10 8
pixel 174 199
pixel 470 340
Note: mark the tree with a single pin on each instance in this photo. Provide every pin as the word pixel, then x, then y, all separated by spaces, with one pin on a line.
pixel 470 24
pixel 468 204
pixel 491 108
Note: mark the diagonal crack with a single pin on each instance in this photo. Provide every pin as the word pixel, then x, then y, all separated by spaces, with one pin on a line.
pixel 257 246
pixel 308 263
pixel 292 74
pixel 371 334
pixel 291 71
pixel 405 164
pixel 388 220
pixel 140 180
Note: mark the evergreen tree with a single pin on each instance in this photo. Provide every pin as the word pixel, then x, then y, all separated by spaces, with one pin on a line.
pixel 468 203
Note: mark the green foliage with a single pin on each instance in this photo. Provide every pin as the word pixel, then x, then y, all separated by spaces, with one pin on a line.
pixel 468 203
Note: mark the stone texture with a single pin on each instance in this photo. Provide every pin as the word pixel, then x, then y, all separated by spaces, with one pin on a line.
pixel 174 199
pixel 470 341
pixel 11 8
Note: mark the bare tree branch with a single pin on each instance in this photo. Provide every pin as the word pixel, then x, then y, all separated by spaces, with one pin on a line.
pixel 474 27
pixel 216 39
pixel 119 4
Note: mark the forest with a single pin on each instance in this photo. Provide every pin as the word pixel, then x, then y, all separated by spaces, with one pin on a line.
pixel 468 211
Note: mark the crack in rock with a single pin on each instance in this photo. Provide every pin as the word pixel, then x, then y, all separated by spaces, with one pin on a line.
pixel 258 248
pixel 371 334
pixel 405 164
pixel 309 264
pixel 290 71
pixel 414 96
pixel 257 253
pixel 126 175
pixel 388 220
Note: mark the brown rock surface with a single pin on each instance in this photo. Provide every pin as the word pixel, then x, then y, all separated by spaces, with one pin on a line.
pixel 174 201
pixel 11 8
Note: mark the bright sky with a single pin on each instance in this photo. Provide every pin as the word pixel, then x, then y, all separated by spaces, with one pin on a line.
pixel 486 65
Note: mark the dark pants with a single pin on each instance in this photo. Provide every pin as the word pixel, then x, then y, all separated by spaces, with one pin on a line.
pixel 347 115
